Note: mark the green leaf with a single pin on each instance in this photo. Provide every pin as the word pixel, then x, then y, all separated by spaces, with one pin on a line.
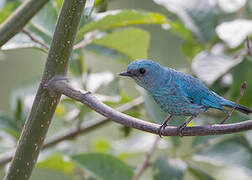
pixel 199 173
pixel 121 18
pixel 233 33
pixel 7 10
pixel 131 42
pixel 210 66
pixel 198 16
pixel 168 169
pixel 191 48
pixel 241 73
pixel 9 125
pixel 46 19
pixel 58 163
pixel 234 152
pixel 104 166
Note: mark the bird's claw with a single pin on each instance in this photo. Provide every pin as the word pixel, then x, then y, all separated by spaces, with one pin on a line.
pixel 180 130
pixel 160 129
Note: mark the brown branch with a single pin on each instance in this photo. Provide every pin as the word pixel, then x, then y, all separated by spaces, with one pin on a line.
pixel 248 47
pixel 74 132
pixel 88 99
pixel 35 39
pixel 243 87
pixel 146 161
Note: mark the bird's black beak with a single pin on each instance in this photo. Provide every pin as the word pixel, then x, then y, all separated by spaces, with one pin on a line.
pixel 125 74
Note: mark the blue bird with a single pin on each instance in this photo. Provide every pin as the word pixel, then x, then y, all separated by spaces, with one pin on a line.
pixel 175 92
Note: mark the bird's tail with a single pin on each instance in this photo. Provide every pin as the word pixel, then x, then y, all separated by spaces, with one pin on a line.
pixel 240 108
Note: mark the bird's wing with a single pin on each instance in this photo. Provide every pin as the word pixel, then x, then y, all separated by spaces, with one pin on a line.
pixel 197 92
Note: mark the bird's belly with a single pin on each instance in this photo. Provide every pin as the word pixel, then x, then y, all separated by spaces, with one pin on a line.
pixel 178 106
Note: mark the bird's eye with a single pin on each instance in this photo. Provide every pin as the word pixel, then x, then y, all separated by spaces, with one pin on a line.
pixel 142 70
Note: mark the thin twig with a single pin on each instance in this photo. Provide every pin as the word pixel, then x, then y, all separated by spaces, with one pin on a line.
pixel 74 132
pixel 229 114
pixel 35 39
pixel 88 38
pixel 19 18
pixel 248 46
pixel 146 161
pixel 91 101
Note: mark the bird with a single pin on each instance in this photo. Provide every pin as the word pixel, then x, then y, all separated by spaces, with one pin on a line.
pixel 177 93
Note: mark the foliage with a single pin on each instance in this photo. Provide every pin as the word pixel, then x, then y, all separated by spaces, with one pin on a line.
pixel 212 36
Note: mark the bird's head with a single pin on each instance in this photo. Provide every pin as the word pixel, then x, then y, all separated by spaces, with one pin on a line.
pixel 146 73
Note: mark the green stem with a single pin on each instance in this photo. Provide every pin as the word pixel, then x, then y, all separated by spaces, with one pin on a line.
pixel 15 23
pixel 44 105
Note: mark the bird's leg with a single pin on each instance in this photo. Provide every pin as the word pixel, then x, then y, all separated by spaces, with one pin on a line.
pixel 165 123
pixel 183 126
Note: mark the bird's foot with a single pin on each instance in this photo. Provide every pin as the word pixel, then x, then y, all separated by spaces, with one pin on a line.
pixel 181 129
pixel 160 129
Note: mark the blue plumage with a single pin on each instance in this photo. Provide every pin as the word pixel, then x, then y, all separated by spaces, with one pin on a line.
pixel 177 93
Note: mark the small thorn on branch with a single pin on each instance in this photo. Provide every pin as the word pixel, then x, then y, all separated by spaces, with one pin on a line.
pixel 229 114
pixel 248 46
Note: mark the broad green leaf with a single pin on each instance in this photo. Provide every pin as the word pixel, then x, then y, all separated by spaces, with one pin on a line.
pixel 234 152
pixel 101 145
pixel 199 173
pixel 57 162
pixel 9 126
pixel 233 33
pixel 46 19
pixel 230 6
pixel 104 166
pixel 168 169
pixel 7 10
pixel 210 66
pixel 198 16
pixel 241 73
pixel 191 48
pixel 131 42
pixel 121 18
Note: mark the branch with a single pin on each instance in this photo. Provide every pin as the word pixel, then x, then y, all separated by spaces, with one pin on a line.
pixel 60 86
pixel 34 39
pixel 44 105
pixel 74 132
pixel 243 87
pixel 19 18
pixel 146 161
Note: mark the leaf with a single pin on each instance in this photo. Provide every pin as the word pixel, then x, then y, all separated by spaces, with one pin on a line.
pixel 7 10
pixel 57 162
pixel 233 33
pixel 46 18
pixel 21 41
pixel 199 173
pixel 234 152
pixel 210 66
pixel 198 16
pixel 230 6
pixel 168 169
pixel 120 18
pixel 132 42
pixel 9 126
pixel 241 73
pixel 104 166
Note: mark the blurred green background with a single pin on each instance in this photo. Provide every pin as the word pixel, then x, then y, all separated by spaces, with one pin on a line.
pixel 204 38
